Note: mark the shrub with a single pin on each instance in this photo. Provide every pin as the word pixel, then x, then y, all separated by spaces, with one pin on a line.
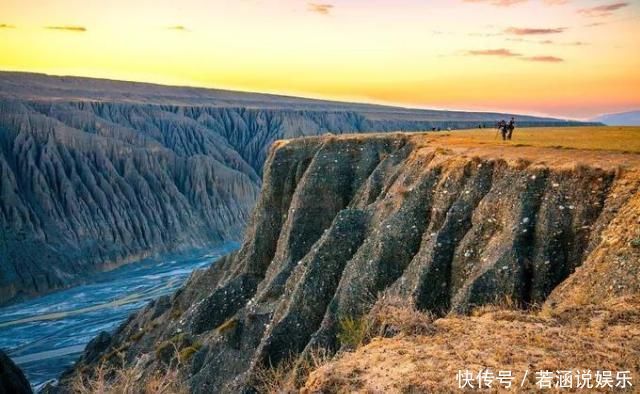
pixel 352 332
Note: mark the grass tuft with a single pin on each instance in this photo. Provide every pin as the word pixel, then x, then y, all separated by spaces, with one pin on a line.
pixel 352 332
pixel 227 326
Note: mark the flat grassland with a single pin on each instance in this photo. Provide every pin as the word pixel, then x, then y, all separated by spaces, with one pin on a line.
pixel 620 139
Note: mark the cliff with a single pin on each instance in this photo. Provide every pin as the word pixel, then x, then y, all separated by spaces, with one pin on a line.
pixel 98 173
pixel 442 226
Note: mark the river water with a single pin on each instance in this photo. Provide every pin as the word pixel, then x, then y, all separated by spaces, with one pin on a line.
pixel 45 335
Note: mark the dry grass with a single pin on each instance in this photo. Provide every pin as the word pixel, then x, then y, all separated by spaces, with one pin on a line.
pixel 352 332
pixel 604 147
pixel 115 376
pixel 621 139
pixel 391 316
pixel 605 337
pixel 559 139
pixel 289 375
pixel 129 380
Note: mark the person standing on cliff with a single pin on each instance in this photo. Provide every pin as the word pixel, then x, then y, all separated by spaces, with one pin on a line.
pixel 510 127
pixel 502 129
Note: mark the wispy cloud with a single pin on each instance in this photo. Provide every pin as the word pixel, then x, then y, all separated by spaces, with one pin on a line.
pixel 320 8
pixel 178 28
pixel 507 53
pixel 6 26
pixel 602 10
pixel 527 31
pixel 75 29
pixel 555 2
pixel 543 59
pixel 549 42
pixel 502 52
pixel 498 3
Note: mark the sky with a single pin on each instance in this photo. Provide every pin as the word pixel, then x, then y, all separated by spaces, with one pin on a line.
pixel 565 58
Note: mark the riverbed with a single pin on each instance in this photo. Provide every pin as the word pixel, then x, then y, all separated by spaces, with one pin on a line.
pixel 45 335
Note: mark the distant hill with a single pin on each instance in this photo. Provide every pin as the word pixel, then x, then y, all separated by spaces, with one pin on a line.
pixel 631 118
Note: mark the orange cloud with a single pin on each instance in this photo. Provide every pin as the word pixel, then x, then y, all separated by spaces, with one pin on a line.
pixel 502 52
pixel 322 9
pixel 544 59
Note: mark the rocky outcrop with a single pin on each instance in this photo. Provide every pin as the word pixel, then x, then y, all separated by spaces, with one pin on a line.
pixel 12 380
pixel 97 173
pixel 341 220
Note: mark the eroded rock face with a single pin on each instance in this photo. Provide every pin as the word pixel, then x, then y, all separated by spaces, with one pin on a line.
pixel 340 220
pixel 80 192
pixel 97 173
pixel 12 380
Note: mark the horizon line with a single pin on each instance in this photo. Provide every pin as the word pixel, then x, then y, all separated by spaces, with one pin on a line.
pixel 308 96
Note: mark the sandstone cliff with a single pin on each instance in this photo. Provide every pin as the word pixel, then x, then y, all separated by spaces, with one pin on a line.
pixel 341 220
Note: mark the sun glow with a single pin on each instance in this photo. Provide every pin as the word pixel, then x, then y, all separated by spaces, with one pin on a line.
pixel 528 57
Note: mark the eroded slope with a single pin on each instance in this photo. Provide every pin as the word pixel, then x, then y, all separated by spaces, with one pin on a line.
pixel 342 219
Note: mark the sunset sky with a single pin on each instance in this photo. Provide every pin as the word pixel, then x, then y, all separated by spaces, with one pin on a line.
pixel 568 58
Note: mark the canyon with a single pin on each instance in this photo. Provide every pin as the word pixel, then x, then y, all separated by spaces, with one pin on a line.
pixel 98 173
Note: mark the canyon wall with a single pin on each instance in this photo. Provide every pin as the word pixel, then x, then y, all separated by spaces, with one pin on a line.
pixel 343 219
